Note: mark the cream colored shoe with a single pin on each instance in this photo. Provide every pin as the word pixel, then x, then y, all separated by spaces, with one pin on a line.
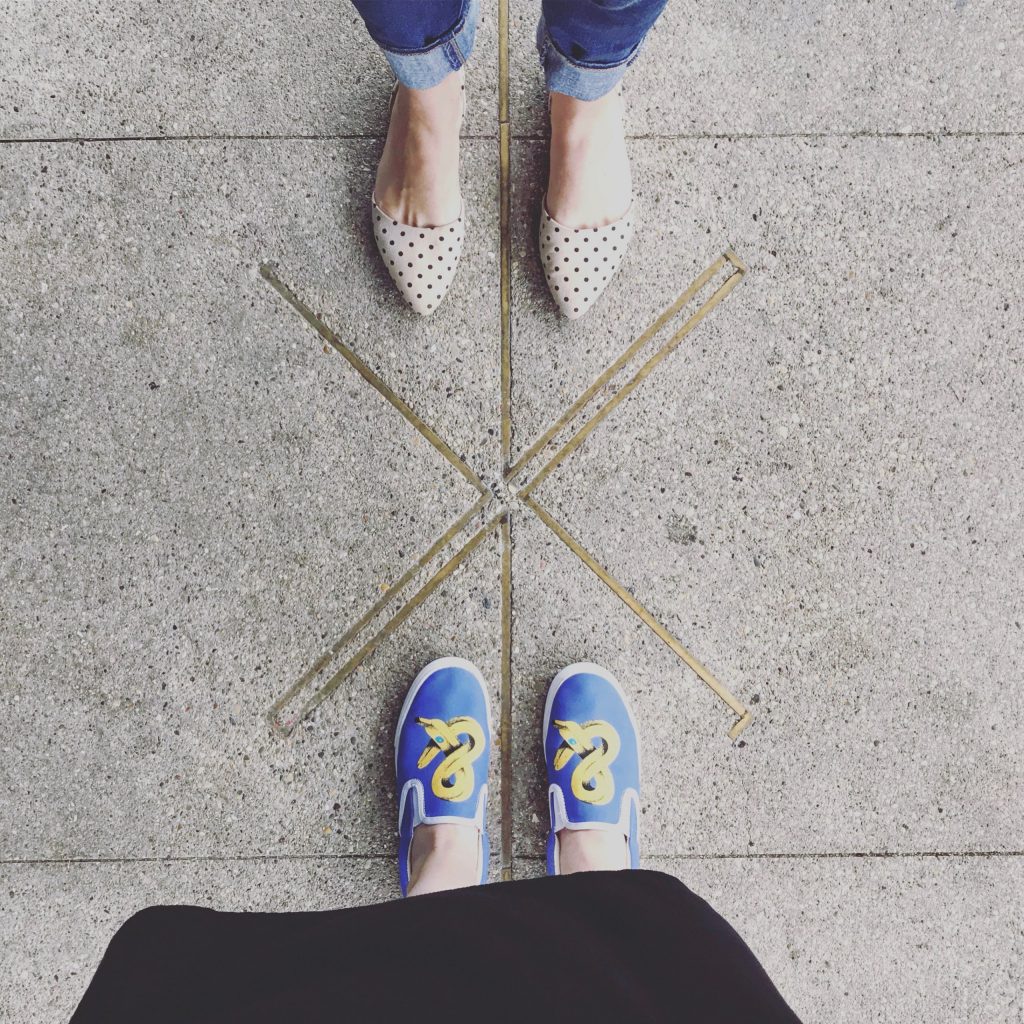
pixel 421 261
pixel 579 262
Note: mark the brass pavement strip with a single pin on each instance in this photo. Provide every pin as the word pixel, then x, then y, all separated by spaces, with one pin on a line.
pixel 393 623
pixel 269 273
pixel 744 716
pixel 670 346
pixel 506 301
pixel 504 163
pixel 367 617
pixel 505 172
pixel 503 60
pixel 506 698
pixel 570 413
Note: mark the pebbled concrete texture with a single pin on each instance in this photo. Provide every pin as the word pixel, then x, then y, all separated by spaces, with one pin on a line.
pixel 187 524
pixel 819 492
pixel 828 471
pixel 731 67
pixel 230 68
pixel 445 366
pixel 309 69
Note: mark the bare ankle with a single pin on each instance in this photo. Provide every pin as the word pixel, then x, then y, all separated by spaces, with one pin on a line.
pixel 589 184
pixel 440 100
pixel 443 857
pixel 567 112
pixel 591 850
pixel 418 175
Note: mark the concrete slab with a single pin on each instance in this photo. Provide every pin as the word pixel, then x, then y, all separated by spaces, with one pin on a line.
pixel 189 69
pixel 563 614
pixel 447 366
pixel 730 67
pixel 825 476
pixel 189 516
pixel 949 928
pixel 50 957
pixel 310 69
pixel 819 492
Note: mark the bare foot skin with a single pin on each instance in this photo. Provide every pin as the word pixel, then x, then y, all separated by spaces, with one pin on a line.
pixel 589 184
pixel 418 174
pixel 591 850
pixel 443 857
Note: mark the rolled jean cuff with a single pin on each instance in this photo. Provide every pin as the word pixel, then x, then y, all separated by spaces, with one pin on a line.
pixel 582 81
pixel 423 69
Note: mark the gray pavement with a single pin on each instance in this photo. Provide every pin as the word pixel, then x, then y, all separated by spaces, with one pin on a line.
pixel 819 492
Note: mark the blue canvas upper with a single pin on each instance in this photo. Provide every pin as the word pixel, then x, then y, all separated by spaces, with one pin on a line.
pixel 592 756
pixel 442 750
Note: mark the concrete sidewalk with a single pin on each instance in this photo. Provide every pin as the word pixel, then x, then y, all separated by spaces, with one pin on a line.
pixel 820 492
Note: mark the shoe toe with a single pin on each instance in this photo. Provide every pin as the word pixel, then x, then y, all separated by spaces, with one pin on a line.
pixel 579 263
pixel 421 261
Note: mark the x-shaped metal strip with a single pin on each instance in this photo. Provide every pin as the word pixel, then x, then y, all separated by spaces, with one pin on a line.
pixel 492 511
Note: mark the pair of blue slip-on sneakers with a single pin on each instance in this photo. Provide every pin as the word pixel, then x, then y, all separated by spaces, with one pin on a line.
pixel 443 746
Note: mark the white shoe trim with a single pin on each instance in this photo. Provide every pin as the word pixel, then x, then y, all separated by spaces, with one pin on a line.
pixel 560 819
pixel 413 790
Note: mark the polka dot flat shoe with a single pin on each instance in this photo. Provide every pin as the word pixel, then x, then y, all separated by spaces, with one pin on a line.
pixel 579 262
pixel 421 261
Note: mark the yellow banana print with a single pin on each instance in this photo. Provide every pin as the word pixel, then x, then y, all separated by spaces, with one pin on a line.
pixel 453 777
pixel 592 782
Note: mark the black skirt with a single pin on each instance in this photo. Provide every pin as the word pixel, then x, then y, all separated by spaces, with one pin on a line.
pixel 617 946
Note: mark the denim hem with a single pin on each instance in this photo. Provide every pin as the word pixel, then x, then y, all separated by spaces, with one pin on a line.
pixel 573 78
pixel 423 69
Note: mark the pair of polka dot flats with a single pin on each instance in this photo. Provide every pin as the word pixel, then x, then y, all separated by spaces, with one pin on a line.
pixel 578 262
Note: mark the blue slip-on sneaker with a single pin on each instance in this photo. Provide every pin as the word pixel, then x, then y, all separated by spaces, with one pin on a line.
pixel 442 751
pixel 592 756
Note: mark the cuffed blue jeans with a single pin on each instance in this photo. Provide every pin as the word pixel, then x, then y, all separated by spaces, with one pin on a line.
pixel 585 46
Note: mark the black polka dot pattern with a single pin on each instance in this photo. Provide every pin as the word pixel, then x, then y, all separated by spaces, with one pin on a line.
pixel 421 261
pixel 578 263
